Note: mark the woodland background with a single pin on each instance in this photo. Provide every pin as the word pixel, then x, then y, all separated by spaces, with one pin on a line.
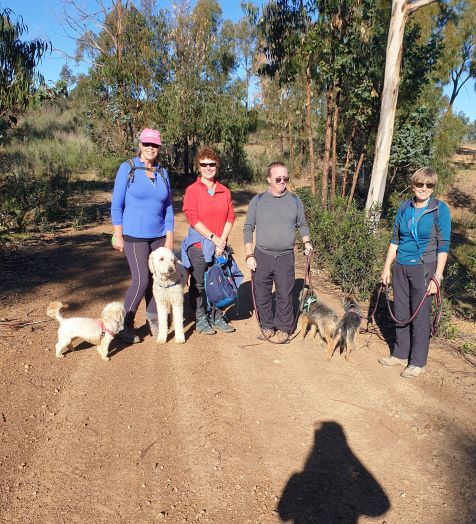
pixel 298 81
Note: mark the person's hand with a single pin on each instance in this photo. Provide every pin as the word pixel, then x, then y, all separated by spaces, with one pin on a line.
pixel 386 276
pixel 432 289
pixel 251 263
pixel 308 249
pixel 118 243
pixel 169 244
pixel 219 242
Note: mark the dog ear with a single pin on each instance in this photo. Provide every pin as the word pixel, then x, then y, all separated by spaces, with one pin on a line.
pixel 151 263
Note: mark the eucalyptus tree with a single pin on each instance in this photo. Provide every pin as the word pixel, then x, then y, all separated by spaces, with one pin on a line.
pixel 401 10
pixel 18 62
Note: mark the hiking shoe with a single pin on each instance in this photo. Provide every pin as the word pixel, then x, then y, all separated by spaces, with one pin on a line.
pixel 128 335
pixel 266 334
pixel 222 325
pixel 153 327
pixel 393 361
pixel 280 337
pixel 412 371
pixel 202 325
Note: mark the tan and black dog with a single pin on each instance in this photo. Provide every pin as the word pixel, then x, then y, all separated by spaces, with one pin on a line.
pixel 345 335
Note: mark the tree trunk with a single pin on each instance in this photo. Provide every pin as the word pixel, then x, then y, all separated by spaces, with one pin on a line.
pixel 345 171
pixel 355 177
pixel 334 146
pixel 310 138
pixel 400 11
pixel 327 145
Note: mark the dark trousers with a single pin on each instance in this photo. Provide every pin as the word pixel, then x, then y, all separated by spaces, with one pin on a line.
pixel 196 292
pixel 137 254
pixel 277 270
pixel 410 283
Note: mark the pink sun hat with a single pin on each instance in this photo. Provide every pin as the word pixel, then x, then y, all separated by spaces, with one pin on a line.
pixel 150 136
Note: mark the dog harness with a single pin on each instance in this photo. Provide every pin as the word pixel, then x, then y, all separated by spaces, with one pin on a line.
pixel 104 329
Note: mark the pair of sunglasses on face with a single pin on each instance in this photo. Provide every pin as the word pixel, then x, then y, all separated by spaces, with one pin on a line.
pixel 148 144
pixel 428 185
pixel 207 164
pixel 281 179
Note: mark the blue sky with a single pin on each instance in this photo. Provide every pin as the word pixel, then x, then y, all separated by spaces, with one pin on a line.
pixel 41 17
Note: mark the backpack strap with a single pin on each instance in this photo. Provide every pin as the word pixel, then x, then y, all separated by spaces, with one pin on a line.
pixel 132 171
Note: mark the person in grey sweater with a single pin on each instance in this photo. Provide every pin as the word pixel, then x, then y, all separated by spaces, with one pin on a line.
pixel 274 216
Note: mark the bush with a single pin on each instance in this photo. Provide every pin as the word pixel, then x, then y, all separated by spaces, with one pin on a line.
pixel 345 244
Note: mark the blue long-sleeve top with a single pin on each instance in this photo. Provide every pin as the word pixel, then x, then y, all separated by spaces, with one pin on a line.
pixel 143 206
pixel 421 234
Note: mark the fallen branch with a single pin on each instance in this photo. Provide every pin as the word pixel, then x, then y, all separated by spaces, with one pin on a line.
pixel 14 325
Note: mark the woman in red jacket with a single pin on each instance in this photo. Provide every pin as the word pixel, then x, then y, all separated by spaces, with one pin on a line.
pixel 209 210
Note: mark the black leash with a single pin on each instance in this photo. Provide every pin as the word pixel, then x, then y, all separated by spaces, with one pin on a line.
pixel 307 282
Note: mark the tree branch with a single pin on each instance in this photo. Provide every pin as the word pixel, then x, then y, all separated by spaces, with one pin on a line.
pixel 410 7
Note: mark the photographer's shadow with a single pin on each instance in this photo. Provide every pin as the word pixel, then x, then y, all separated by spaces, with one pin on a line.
pixel 334 487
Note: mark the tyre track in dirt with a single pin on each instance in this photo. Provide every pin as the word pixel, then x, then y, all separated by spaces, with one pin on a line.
pixel 227 428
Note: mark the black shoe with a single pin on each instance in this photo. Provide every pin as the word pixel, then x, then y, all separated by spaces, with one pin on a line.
pixel 222 325
pixel 128 334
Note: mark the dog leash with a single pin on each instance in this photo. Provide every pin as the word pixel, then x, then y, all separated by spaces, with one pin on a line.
pixel 307 281
pixel 436 319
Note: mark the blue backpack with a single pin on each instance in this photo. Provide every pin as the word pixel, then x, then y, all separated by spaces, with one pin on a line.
pixel 220 285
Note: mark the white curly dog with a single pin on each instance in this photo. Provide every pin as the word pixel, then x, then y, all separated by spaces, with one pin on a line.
pixel 97 331
pixel 170 277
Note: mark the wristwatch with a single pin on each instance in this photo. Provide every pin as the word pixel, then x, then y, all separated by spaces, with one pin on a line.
pixel 211 236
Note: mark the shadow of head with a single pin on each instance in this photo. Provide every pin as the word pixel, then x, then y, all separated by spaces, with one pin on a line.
pixel 334 485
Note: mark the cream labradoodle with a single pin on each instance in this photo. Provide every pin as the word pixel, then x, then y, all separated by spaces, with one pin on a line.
pixel 99 332
pixel 170 277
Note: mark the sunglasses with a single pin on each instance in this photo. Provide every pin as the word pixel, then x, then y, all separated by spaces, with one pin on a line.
pixel 419 185
pixel 280 179
pixel 149 144
pixel 207 164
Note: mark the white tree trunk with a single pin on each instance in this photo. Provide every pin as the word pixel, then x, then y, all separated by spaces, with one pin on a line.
pixel 400 11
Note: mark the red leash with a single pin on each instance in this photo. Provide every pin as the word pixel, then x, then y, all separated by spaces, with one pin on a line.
pixel 436 319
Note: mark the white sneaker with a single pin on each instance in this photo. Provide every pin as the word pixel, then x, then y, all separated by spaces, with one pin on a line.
pixel 393 361
pixel 412 371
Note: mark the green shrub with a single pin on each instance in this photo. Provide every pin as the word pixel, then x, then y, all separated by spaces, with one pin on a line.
pixel 345 244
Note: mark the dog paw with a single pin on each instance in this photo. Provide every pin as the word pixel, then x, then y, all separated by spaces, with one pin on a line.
pixel 180 340
pixel 59 355
pixel 161 340
pixel 106 358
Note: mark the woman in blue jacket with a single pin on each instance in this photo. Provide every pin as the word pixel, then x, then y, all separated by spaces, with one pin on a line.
pixel 143 220
pixel 420 243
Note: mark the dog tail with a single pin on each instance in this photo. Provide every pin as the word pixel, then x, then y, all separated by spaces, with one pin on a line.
pixel 53 311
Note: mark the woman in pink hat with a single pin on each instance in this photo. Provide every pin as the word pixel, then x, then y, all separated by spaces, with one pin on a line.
pixel 143 220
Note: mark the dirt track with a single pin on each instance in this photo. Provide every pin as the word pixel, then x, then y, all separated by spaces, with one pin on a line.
pixel 222 429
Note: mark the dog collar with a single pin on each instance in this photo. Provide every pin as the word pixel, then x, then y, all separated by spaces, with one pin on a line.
pixel 104 329
pixel 354 311
pixel 170 285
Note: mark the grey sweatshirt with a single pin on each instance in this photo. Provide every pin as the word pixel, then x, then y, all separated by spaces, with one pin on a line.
pixel 275 220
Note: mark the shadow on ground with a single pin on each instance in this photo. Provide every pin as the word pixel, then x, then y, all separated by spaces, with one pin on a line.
pixel 334 485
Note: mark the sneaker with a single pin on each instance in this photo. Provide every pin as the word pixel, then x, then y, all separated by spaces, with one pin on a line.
pixel 153 327
pixel 202 325
pixel 393 361
pixel 412 371
pixel 222 325
pixel 266 334
pixel 280 337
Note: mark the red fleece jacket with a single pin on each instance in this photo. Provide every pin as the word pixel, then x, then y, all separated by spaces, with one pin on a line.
pixel 214 211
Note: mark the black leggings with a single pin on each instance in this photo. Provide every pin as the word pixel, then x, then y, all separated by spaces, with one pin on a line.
pixel 137 254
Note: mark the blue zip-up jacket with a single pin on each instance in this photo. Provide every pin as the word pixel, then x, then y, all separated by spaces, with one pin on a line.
pixel 421 239
pixel 144 209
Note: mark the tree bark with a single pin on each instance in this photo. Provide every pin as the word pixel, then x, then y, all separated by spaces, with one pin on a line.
pixel 345 171
pixel 334 145
pixel 400 11
pixel 310 138
pixel 355 177
pixel 327 145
